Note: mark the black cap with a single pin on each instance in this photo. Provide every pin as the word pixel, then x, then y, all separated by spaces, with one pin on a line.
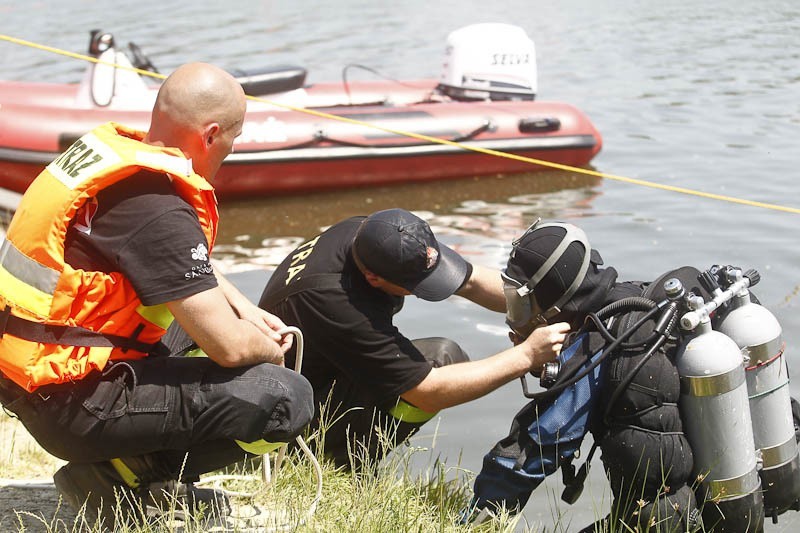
pixel 401 248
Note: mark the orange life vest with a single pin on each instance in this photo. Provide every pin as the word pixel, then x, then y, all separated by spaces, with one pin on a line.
pixel 37 286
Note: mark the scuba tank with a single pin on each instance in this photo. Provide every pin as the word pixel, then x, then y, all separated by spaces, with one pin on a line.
pixel 758 334
pixel 716 412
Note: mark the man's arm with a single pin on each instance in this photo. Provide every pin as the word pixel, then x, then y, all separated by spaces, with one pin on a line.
pixel 268 323
pixel 228 340
pixel 485 288
pixel 455 384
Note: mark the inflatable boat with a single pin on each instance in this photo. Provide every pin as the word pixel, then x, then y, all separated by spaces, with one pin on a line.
pixel 299 137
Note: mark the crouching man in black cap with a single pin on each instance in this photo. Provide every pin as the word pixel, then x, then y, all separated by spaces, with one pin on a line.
pixel 342 289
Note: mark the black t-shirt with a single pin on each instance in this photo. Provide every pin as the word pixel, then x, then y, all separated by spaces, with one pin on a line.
pixel 141 228
pixel 349 335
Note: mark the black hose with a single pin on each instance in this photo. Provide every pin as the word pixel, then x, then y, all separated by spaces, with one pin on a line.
pixel 632 303
pixel 346 83
pixel 636 303
pixel 555 389
pixel 670 316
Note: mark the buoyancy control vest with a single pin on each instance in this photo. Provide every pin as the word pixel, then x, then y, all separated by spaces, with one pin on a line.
pixel 545 435
pixel 638 427
pixel 57 323
pixel 645 453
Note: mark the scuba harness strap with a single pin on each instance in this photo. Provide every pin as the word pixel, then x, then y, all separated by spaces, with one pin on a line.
pixel 574 482
pixel 545 435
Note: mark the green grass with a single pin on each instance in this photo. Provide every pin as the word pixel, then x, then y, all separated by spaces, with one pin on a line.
pixel 385 497
pixel 390 496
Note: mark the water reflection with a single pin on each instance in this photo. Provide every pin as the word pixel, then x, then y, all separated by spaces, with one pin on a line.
pixel 474 215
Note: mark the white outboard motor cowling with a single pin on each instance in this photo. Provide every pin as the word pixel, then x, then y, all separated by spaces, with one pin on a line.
pixel 489 61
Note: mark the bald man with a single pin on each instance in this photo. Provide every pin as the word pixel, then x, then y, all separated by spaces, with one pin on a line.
pixel 115 241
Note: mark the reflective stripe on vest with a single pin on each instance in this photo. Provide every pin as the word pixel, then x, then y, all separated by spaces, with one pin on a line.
pixel 157 314
pixel 31 284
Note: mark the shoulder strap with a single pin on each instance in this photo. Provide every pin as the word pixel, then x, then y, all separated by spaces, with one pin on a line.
pixel 307 283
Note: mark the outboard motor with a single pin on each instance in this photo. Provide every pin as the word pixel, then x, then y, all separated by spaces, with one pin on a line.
pixel 100 42
pixel 758 334
pixel 716 414
pixel 489 62
pixel 105 84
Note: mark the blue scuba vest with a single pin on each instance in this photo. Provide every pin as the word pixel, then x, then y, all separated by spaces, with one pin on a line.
pixel 537 445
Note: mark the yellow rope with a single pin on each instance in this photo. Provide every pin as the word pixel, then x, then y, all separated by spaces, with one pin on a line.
pixel 465 146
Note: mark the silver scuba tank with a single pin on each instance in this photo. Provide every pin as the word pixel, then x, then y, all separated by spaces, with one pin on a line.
pixel 758 334
pixel 716 415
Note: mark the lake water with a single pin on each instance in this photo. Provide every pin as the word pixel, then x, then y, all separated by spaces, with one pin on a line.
pixel 700 95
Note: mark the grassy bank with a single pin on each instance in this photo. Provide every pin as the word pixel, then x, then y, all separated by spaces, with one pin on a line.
pixel 383 498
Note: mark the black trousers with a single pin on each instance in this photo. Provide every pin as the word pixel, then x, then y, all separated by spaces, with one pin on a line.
pixel 182 412
pixel 356 430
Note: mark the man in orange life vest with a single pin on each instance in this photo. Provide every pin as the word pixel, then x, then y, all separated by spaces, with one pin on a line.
pixel 110 242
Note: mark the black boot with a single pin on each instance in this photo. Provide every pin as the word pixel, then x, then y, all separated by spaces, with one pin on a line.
pixel 98 492
pixel 184 500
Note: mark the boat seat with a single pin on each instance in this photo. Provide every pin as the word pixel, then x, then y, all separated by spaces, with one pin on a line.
pixel 270 80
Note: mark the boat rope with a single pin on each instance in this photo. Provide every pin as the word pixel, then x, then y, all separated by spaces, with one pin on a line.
pixel 436 140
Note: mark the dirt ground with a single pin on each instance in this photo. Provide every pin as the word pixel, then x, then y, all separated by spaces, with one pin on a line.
pixel 33 507
pixel 28 499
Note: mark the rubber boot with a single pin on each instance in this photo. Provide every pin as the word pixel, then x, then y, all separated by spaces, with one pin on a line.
pixel 125 491
pixel 97 491
pixel 183 500
pixel 154 478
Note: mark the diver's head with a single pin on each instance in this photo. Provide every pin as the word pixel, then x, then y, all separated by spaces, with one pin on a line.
pixel 547 266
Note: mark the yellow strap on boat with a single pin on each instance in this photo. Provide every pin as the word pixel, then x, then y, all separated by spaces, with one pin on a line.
pixel 405 412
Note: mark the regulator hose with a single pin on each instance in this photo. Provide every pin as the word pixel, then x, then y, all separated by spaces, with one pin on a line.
pixel 626 305
pixel 559 387
pixel 631 303
pixel 664 328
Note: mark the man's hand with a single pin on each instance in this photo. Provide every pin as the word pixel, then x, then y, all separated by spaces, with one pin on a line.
pixel 544 344
pixel 228 340
pixel 450 385
pixel 267 323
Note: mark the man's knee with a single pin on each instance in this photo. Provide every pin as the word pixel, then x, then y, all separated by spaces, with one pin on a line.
pixel 299 405
pixel 441 351
pixel 263 401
